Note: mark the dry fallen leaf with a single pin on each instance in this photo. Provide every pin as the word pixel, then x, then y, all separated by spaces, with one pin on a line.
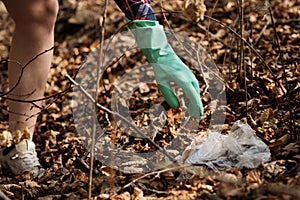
pixel 17 136
pixel 279 142
pixel 138 193
pixel 262 7
pixel 194 9
pixel 6 139
pixel 267 113
pixel 51 136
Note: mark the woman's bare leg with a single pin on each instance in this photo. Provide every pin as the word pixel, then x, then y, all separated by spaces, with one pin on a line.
pixel 34 33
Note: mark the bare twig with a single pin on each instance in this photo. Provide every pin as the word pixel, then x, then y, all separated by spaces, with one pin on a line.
pixel 252 48
pixel 100 63
pixel 191 48
pixel 23 69
pixel 54 96
pixel 31 101
pixel 243 71
pixel 294 135
pixel 40 99
pixel 121 117
pixel 209 24
pixel 157 173
pixel 262 32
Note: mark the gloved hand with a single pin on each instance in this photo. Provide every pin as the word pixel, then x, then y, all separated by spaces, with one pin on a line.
pixel 167 66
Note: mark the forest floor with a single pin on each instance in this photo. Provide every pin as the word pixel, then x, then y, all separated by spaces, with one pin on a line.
pixel 264 92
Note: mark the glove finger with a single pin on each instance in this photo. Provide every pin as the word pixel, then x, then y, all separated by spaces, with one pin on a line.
pixel 196 86
pixel 196 111
pixel 169 95
pixel 195 107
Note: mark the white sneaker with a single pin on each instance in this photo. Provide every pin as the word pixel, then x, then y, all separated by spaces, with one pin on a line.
pixel 22 158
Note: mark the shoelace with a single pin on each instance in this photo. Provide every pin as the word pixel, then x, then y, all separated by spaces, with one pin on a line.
pixel 28 158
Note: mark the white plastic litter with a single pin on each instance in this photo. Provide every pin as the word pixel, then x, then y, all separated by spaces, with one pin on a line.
pixel 241 148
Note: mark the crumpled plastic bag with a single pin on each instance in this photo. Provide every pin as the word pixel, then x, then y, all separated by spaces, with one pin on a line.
pixel 241 148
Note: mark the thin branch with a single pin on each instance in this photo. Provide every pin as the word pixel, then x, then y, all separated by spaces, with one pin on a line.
pixel 40 99
pixel 294 135
pixel 262 32
pixel 121 117
pixel 157 173
pixel 242 52
pixel 252 48
pixel 195 50
pixel 94 128
pixel 23 69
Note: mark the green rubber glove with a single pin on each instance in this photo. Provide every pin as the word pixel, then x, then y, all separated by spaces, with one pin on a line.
pixel 167 66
